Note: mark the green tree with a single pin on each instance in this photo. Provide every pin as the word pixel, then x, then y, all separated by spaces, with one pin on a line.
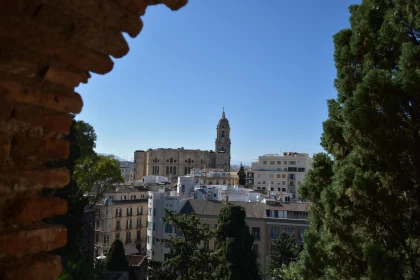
pixel 96 175
pixel 242 176
pixel 365 209
pixel 85 138
pixel 283 251
pixel 187 259
pixel 155 271
pixel 235 256
pixel 116 260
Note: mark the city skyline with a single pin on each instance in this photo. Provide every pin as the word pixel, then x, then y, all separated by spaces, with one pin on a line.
pixel 273 78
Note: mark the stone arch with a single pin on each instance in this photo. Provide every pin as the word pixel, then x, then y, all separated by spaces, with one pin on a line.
pixel 42 64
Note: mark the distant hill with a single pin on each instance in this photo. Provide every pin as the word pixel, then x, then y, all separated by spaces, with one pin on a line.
pixel 115 156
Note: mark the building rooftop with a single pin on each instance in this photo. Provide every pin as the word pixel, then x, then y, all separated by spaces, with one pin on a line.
pixel 253 209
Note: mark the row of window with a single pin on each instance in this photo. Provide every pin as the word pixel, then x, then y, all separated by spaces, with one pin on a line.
pixel 276 213
pixel 278 162
pixel 124 197
pixel 129 224
pixel 276 232
pixel 117 236
pixel 129 212
pixel 278 176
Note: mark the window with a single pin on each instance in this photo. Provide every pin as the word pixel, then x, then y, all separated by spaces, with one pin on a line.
pixel 154 211
pixel 264 162
pixel 283 176
pixel 118 226
pixel 149 225
pixel 168 228
pixel 167 170
pixel 171 160
pixel 140 210
pixel 148 239
pixel 292 162
pixel 271 176
pixel 138 236
pixel 153 240
pixel 272 162
pixel 129 211
pixel 279 162
pixel 268 213
pixel 276 213
pixel 223 133
pixel 275 232
pixel 206 245
pixel 283 183
pixel 263 182
pixel 154 226
pixel 106 239
pixel 301 169
pixel 256 233
pixel 129 224
pixel 278 175
pixel 301 232
pixel 133 197
pixel 128 237
pixel 289 231
pixel 117 236
pixel 118 212
pixel 285 162
pixel 123 197
pixel 174 173
pixel 150 211
pixel 215 226
pixel 272 189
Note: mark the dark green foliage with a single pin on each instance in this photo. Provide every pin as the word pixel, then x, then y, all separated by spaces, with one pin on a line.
pixel 283 251
pixel 116 260
pixel 187 260
pixel 242 175
pixel 236 259
pixel 155 271
pixel 365 212
pixel 96 175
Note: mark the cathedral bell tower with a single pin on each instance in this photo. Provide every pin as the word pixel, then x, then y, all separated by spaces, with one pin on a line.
pixel 223 143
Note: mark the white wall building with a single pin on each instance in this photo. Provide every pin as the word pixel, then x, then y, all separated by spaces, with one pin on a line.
pixel 279 175
pixel 126 168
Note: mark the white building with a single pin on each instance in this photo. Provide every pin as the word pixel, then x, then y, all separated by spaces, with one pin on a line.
pixel 126 168
pixel 279 175
pixel 176 200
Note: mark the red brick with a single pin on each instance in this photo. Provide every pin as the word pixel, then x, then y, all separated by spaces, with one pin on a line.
pixel 38 267
pixel 66 78
pixel 58 101
pixel 47 149
pixel 36 115
pixel 33 179
pixel 34 210
pixel 32 241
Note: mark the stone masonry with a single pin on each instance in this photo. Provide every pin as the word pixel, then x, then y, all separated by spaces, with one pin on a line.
pixel 47 48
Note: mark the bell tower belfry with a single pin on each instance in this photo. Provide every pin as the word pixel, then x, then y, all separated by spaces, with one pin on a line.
pixel 222 147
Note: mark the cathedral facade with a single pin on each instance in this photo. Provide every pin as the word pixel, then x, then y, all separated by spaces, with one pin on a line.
pixel 172 163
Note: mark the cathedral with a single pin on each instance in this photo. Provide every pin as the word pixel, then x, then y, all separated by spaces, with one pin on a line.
pixel 172 163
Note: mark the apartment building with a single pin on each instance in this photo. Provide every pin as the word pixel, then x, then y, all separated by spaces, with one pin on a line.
pixel 280 175
pixel 122 214
pixel 212 177
pixel 266 218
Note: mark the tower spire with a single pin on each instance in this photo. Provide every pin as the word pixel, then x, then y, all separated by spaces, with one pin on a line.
pixel 223 114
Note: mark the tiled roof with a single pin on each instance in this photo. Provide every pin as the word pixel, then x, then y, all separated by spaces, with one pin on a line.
pixel 135 260
pixel 253 209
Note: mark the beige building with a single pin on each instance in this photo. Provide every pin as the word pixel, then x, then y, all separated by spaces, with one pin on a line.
pixel 266 221
pixel 177 162
pixel 122 214
pixel 279 174
pixel 228 178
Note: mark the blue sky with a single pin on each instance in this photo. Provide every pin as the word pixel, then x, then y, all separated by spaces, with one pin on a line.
pixel 269 63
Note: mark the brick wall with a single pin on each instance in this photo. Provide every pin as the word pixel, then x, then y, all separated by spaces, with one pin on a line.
pixel 47 48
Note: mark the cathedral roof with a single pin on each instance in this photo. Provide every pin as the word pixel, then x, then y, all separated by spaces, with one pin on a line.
pixel 223 122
